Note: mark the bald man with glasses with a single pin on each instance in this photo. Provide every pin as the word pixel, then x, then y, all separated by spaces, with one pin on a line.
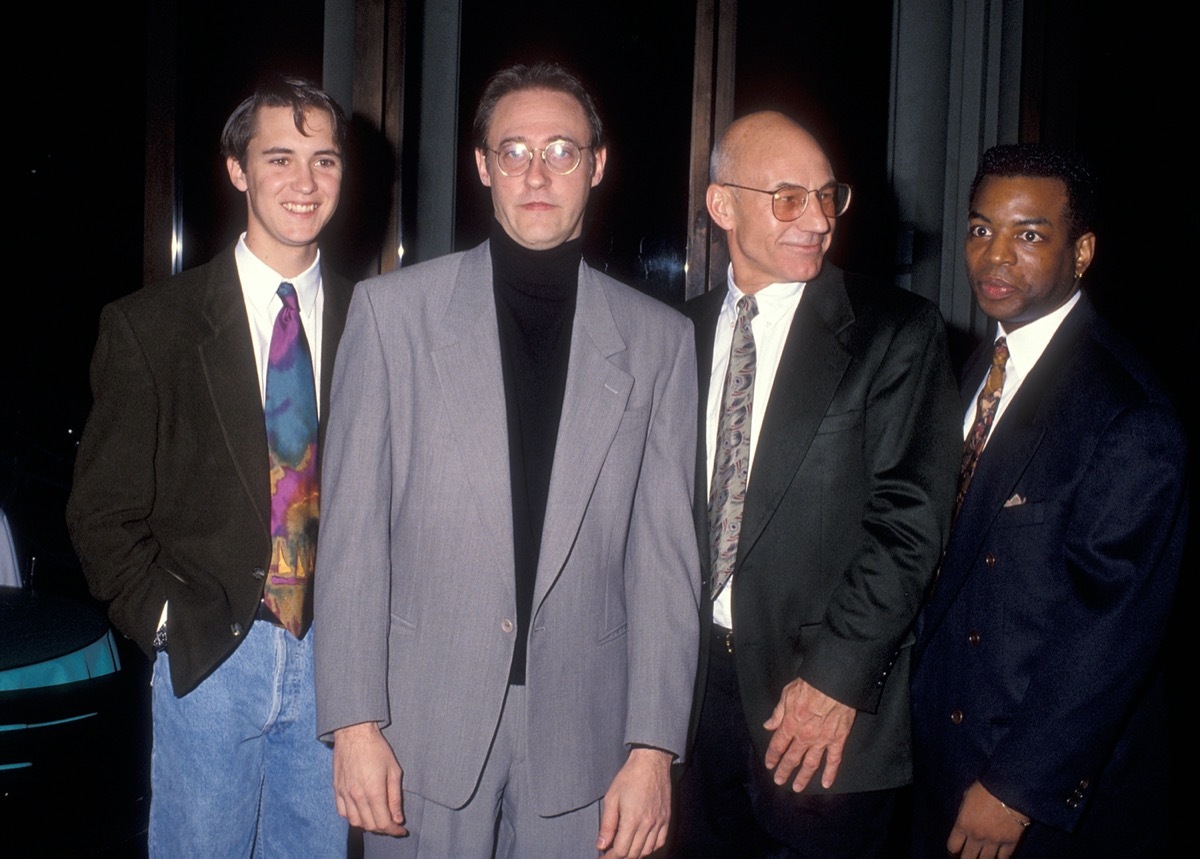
pixel 825 476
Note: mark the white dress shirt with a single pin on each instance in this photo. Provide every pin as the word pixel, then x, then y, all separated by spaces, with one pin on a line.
pixel 260 287
pixel 1025 346
pixel 777 305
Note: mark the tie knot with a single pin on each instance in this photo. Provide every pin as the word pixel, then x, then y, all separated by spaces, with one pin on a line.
pixel 747 306
pixel 287 293
pixel 1000 356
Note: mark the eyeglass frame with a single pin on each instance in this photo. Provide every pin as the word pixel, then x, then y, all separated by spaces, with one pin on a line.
pixel 532 149
pixel 807 193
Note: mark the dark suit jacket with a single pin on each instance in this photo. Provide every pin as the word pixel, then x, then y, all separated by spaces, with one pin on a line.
pixel 846 513
pixel 1037 664
pixel 171 499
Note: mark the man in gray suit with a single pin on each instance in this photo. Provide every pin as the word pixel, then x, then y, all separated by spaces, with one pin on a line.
pixel 509 581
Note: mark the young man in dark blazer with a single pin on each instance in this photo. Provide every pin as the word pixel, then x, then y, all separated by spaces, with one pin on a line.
pixel 195 504
pixel 825 511
pixel 1038 692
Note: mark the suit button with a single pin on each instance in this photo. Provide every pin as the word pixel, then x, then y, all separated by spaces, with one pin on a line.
pixel 236 629
pixel 956 717
pixel 1072 803
pixel 259 573
pixel 1083 783
pixel 990 560
pixel 506 625
pixel 973 638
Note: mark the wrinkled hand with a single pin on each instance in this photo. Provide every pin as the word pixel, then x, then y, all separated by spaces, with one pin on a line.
pixel 637 807
pixel 366 780
pixel 807 725
pixel 983 829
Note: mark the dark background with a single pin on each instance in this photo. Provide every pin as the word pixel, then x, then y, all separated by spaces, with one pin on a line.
pixel 79 159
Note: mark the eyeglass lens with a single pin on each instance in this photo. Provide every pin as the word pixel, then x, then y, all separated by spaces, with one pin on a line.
pixel 560 156
pixel 789 203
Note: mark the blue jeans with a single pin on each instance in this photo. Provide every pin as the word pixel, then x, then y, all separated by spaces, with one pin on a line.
pixel 236 769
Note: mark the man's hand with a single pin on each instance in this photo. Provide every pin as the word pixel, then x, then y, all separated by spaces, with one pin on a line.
pixel 637 807
pixel 985 829
pixel 366 780
pixel 807 725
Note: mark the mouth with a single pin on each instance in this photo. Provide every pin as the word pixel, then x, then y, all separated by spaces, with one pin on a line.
pixel 993 288
pixel 300 208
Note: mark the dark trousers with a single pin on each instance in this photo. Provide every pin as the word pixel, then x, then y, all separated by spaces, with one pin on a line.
pixel 730 807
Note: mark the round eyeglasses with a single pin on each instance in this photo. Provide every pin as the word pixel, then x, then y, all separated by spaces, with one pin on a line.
pixel 560 156
pixel 789 202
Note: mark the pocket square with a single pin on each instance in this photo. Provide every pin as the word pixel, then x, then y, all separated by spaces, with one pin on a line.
pixel 1016 501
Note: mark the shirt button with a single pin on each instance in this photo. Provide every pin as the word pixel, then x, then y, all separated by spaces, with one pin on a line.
pixel 236 629
pixel 259 573
pixel 956 717
pixel 506 625
pixel 973 638
pixel 990 560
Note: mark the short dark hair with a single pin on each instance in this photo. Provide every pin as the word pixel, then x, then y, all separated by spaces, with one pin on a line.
pixel 278 91
pixel 543 75
pixel 1046 162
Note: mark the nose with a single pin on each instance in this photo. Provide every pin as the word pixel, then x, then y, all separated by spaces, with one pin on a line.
pixel 1000 250
pixel 812 219
pixel 305 179
pixel 538 174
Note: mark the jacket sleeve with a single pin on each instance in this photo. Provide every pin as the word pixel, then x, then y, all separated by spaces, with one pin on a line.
pixel 912 444
pixel 114 486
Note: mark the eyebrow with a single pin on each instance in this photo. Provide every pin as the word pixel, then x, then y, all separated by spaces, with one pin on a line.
pixel 284 150
pixel 1023 222
pixel 551 139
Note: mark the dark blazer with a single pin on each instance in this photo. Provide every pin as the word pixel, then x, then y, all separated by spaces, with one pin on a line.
pixel 171 499
pixel 1038 656
pixel 846 513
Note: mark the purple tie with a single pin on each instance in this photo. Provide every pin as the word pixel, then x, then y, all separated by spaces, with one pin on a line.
pixel 732 462
pixel 291 416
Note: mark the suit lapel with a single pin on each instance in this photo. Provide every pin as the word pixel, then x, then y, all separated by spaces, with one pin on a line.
pixel 1010 450
pixel 593 404
pixel 705 313
pixel 230 371
pixel 337 291
pixel 810 371
pixel 466 359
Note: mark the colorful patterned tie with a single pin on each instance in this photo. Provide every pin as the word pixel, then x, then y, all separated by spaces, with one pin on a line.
pixel 985 413
pixel 732 462
pixel 291 415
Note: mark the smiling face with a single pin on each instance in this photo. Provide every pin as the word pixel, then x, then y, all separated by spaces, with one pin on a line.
pixel 292 182
pixel 768 151
pixel 1020 259
pixel 540 209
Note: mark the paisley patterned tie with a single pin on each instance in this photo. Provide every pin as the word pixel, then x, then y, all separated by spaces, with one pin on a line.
pixel 291 416
pixel 985 414
pixel 732 465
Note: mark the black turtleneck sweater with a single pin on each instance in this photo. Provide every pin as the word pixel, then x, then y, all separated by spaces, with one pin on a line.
pixel 535 308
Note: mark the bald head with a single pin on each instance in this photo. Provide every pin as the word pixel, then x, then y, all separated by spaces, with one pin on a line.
pixel 747 136
pixel 765 152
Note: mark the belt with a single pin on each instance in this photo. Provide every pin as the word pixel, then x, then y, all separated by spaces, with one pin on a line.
pixel 723 637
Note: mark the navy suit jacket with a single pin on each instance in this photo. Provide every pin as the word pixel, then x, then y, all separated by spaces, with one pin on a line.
pixel 172 495
pixel 1038 659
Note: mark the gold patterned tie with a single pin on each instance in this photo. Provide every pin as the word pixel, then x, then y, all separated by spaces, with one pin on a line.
pixel 985 414
pixel 732 461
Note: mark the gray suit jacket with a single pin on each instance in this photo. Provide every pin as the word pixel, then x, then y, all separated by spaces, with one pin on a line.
pixel 417 591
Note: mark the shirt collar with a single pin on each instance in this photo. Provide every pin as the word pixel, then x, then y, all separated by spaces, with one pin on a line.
pixel 1027 343
pixel 774 300
pixel 260 282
